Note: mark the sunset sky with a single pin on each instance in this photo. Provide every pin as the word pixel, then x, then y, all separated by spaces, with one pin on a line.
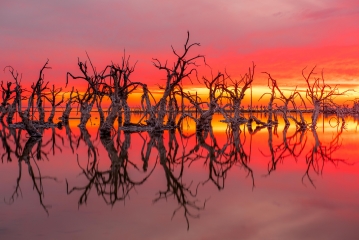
pixel 280 37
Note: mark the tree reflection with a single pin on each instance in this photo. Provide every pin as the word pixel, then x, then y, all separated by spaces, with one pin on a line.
pixel 91 151
pixel 113 184
pixel 173 152
pixel 34 173
pixel 291 146
pixel 176 186
pixel 236 154
pixel 295 146
pixel 219 159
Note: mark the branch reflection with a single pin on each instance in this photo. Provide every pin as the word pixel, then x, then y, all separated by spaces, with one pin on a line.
pixel 113 184
pixel 174 153
pixel 34 173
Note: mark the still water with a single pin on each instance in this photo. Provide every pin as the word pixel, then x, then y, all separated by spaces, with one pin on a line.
pixel 274 183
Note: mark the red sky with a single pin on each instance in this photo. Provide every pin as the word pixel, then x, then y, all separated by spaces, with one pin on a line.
pixel 281 37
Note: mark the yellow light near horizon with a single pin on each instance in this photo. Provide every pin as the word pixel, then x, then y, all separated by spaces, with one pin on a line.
pixel 258 94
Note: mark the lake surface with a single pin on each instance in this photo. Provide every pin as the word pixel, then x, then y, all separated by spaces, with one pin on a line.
pixel 271 183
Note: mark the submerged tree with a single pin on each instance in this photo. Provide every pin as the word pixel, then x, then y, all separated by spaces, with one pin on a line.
pixel 37 90
pixel 86 99
pixel 117 90
pixel 288 100
pixel 53 101
pixel 236 92
pixel 182 69
pixel 215 87
pixel 319 93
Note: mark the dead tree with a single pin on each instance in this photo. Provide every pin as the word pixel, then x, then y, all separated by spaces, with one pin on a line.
pixel 85 102
pixel 88 98
pixel 272 115
pixel 319 94
pixel 68 108
pixel 286 100
pixel 37 90
pixel 236 95
pixel 54 92
pixel 173 108
pixel 147 107
pixel 182 69
pixel 15 106
pixel 6 96
pixel 112 82
pixel 99 109
pixel 117 89
pixel 215 88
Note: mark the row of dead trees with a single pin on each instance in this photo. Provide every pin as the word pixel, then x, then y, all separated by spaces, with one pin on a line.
pixel 113 83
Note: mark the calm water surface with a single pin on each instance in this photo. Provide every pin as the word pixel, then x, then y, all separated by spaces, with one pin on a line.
pixel 263 184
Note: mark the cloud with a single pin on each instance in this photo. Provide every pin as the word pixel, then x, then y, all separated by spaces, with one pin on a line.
pixel 241 31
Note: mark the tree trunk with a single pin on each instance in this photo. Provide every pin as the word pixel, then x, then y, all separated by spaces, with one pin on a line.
pixel 29 127
pixel 270 110
pixel 52 114
pixel 237 111
pixel 100 111
pixel 204 121
pixel 148 109
pixel 85 110
pixel 4 110
pixel 171 113
pixel 161 113
pixel 41 110
pixel 11 112
pixel 107 126
pixel 127 112
pixel 66 113
pixel 316 111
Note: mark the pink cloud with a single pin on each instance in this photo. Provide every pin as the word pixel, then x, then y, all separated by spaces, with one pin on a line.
pixel 279 36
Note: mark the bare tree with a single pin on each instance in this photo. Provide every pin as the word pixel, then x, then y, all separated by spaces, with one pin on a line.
pixel 215 87
pixel 87 99
pixel 319 94
pixel 288 100
pixel 6 96
pixel 37 90
pixel 236 95
pixel 54 92
pixel 182 69
pixel 16 104
pixel 68 108
pixel 117 90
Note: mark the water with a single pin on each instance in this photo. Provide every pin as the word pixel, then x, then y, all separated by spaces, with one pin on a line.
pixel 73 184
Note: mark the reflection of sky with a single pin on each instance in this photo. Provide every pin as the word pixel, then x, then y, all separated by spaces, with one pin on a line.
pixel 279 207
pixel 281 37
